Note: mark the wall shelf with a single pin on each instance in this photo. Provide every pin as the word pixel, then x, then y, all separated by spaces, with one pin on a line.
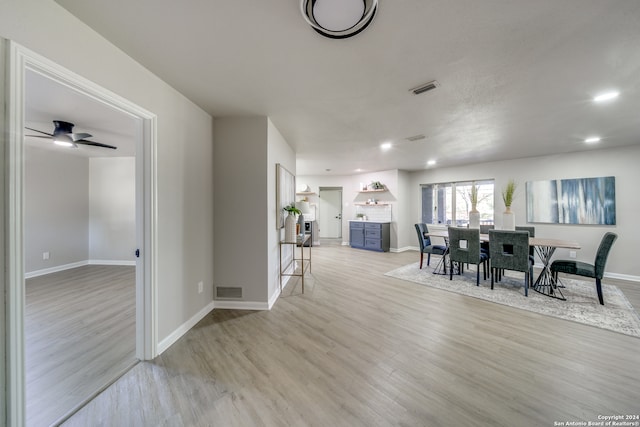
pixel 371 204
pixel 305 193
pixel 380 190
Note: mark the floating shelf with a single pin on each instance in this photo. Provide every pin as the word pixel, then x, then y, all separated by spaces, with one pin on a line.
pixel 371 204
pixel 305 193
pixel 380 190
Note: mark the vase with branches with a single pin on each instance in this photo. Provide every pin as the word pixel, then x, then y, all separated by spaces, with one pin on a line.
pixel 508 218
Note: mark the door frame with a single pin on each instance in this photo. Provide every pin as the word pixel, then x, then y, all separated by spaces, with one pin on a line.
pixel 18 60
pixel 341 190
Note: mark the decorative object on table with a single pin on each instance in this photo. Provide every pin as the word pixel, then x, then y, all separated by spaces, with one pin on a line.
pixel 290 223
pixel 474 214
pixel 595 270
pixel 572 201
pixel 581 305
pixel 376 185
pixel 508 217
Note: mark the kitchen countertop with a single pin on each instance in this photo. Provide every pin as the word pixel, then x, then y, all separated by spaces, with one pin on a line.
pixel 370 221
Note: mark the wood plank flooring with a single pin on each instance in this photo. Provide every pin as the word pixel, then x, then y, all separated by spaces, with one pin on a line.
pixel 80 336
pixel 362 349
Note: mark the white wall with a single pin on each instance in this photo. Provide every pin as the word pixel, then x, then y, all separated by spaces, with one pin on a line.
pixel 278 151
pixel 112 209
pixel 184 153
pixel 621 163
pixel 56 208
pixel 350 194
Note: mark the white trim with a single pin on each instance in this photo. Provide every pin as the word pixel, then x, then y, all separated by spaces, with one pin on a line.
pixel 241 305
pixel 404 249
pixel 19 60
pixel 63 267
pixel 627 277
pixel 111 262
pixel 184 328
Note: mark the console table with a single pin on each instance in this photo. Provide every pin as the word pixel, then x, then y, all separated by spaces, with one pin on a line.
pixel 305 263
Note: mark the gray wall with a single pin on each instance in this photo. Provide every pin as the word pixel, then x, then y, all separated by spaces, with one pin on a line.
pixel 184 150
pixel 621 163
pixel 246 239
pixel 56 208
pixel 112 209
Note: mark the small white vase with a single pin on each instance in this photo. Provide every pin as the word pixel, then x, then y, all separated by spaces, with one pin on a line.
pixel 508 220
pixel 290 228
pixel 474 219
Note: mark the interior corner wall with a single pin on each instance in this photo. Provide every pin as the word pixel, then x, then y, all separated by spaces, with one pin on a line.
pixel 280 152
pixel 183 155
pixel 406 233
pixel 241 197
pixel 4 332
pixel 112 209
pixel 56 209
pixel 618 162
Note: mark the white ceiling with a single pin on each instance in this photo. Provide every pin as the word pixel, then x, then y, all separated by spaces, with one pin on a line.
pixel 517 76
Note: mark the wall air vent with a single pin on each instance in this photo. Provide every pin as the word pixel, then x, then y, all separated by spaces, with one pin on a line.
pixel 425 87
pixel 228 292
pixel 415 138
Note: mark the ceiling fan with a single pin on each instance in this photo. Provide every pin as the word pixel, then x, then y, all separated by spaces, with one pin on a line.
pixel 63 135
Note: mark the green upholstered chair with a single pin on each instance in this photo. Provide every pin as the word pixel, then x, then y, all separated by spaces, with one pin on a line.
pixel 466 253
pixel 425 244
pixel 595 270
pixel 510 251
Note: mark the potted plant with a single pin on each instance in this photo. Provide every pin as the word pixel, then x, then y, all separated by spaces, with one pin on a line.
pixel 377 185
pixel 508 218
pixel 290 222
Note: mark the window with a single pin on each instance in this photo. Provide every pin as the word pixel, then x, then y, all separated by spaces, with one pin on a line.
pixel 450 203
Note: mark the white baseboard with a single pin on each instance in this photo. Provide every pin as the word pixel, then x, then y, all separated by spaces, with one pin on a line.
pixel 403 249
pixel 184 328
pixel 55 269
pixel 64 267
pixel 241 305
pixel 627 277
pixel 111 262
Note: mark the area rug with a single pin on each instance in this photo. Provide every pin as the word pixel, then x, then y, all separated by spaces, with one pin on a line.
pixel 581 305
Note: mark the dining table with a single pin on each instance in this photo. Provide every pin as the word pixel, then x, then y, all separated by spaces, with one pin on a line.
pixel 544 247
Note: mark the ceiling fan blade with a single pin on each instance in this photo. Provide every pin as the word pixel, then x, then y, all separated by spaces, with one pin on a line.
pixel 38 136
pixel 79 136
pixel 39 131
pixel 95 144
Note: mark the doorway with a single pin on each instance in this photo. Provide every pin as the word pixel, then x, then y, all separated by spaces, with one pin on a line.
pixel 21 62
pixel 330 214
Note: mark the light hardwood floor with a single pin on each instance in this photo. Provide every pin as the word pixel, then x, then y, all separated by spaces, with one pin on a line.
pixel 362 349
pixel 80 336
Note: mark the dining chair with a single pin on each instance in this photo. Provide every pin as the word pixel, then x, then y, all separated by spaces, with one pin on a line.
pixel 595 270
pixel 532 233
pixel 484 229
pixel 464 248
pixel 510 251
pixel 425 244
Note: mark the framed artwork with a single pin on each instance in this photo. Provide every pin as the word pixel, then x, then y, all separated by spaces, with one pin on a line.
pixel 285 192
pixel 572 201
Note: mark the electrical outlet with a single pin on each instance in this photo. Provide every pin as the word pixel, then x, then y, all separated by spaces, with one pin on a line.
pixel 200 287
pixel 572 254
pixel 45 255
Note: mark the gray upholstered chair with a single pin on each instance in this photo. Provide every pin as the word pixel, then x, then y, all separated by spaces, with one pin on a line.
pixel 468 253
pixel 532 233
pixel 510 251
pixel 595 270
pixel 425 244
pixel 484 229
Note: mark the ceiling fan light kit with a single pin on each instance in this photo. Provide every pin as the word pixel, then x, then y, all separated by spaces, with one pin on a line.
pixel 63 135
pixel 338 19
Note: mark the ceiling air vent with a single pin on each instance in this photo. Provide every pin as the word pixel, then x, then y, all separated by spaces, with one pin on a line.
pixel 415 138
pixel 425 87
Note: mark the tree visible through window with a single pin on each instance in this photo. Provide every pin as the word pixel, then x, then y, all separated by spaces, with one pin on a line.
pixel 450 203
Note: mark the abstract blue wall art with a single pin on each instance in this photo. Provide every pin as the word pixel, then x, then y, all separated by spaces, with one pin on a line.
pixel 572 201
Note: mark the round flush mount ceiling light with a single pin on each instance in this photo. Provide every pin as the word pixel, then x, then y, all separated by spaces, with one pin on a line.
pixel 338 19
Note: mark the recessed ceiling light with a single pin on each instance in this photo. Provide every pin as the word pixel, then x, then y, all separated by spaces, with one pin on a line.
pixel 592 140
pixel 431 162
pixel 385 146
pixel 358 170
pixel 606 96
